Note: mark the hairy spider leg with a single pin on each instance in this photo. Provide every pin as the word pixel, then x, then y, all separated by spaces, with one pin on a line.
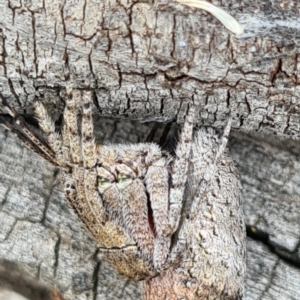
pixel 157 182
pixel 180 170
pixel 135 214
pixel 74 186
pixel 25 134
pixel 88 142
pixel 210 170
pixel 55 140
pixel 89 156
pixel 69 186
pixel 129 262
pixel 131 259
pixel 127 255
pixel 71 123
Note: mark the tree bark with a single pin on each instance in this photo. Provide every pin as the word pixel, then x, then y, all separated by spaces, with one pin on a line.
pixel 149 61
pixel 39 231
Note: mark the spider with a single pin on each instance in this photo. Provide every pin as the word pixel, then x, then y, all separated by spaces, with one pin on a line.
pixel 146 209
pixel 120 192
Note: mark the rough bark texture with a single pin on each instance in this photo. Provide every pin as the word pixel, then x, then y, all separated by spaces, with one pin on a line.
pixel 41 233
pixel 149 61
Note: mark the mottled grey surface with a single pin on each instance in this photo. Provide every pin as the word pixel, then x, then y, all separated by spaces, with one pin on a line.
pixel 39 231
pixel 148 59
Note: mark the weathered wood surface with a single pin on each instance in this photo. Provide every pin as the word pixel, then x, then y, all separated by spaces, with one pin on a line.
pixel 148 60
pixel 39 231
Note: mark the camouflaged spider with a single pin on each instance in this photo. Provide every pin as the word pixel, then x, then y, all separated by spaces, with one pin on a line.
pixel 173 221
pixel 120 192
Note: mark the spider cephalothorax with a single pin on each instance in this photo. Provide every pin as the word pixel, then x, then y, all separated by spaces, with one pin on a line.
pixel 149 211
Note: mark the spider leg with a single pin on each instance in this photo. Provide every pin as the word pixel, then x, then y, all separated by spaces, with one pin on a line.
pixel 135 214
pixel 152 133
pixel 179 171
pixel 126 254
pixel 167 209
pixel 83 201
pixel 211 169
pixel 26 135
pixel 157 184
pixel 74 192
pixel 76 181
pixel 88 142
pixel 129 262
pixel 55 140
pixel 89 155
pixel 71 125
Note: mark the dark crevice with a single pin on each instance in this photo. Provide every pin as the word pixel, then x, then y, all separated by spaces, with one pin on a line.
pixel 127 283
pixel 108 46
pixel 130 33
pixel 151 135
pixel 270 281
pixel 120 74
pixel 18 48
pixel 4 54
pixel 84 38
pixel 291 258
pixel 147 89
pixel 83 15
pixel 63 19
pixel 162 106
pixel 150 215
pixel 127 102
pixel 67 68
pixel 96 101
pixel 276 70
pixel 34 43
pixel 95 276
pixel 173 36
pixel 12 90
pixel 5 198
pixel 91 64
pixel 39 271
pixel 56 254
pixel 117 249
pixel 228 98
pixel 248 105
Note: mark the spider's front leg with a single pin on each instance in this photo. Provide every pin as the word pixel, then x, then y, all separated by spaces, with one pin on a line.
pixel 208 257
pixel 93 196
pixel 166 196
pixel 180 171
pixel 67 149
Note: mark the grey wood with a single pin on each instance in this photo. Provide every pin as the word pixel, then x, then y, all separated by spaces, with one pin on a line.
pixel 149 61
pixel 41 232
